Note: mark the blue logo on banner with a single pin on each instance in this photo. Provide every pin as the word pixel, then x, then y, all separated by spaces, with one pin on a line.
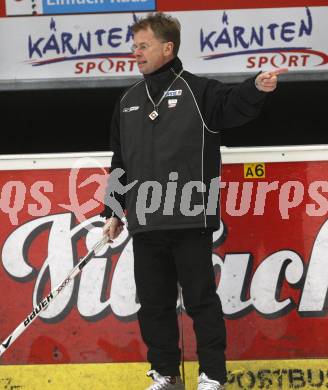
pixel 89 6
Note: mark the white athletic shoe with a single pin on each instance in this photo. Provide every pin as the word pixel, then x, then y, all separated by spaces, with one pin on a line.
pixel 205 383
pixel 165 382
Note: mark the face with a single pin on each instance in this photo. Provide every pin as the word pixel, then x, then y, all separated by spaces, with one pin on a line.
pixel 150 52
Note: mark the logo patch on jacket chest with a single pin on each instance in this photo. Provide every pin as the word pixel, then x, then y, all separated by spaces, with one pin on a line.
pixel 176 92
pixel 129 109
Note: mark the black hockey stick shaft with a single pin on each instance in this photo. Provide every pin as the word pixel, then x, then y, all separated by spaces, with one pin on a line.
pixel 51 296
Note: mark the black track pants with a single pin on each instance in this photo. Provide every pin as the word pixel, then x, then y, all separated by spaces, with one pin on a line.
pixel 161 259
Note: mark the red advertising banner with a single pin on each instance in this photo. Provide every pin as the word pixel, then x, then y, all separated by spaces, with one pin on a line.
pixel 270 258
pixel 186 5
pixel 2 8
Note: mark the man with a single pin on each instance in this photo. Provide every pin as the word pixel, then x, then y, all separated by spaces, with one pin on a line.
pixel 165 136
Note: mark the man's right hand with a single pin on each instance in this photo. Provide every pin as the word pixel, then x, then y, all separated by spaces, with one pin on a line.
pixel 113 228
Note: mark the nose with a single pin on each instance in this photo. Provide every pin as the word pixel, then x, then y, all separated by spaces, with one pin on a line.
pixel 137 52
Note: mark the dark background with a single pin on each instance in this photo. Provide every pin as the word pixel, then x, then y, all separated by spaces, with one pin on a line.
pixel 77 120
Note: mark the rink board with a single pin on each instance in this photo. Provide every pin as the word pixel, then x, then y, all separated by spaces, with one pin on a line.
pixel 271 263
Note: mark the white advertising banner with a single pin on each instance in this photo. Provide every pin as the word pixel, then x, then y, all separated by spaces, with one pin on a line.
pixel 213 42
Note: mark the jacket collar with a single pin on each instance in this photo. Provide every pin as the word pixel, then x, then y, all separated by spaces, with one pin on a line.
pixel 161 78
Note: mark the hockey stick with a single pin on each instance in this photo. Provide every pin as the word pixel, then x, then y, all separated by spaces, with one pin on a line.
pixel 182 338
pixel 51 296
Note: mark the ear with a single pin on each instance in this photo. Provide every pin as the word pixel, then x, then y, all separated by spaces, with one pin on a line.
pixel 168 48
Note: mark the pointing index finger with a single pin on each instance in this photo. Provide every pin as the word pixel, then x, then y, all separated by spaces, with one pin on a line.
pixel 279 71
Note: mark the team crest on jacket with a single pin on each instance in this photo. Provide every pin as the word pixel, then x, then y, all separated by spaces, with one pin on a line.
pixel 172 103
